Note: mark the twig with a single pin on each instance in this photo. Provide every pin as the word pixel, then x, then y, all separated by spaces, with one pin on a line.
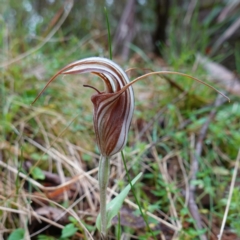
pixel 123 36
pixel 226 35
pixel 185 179
pixel 230 195
pixel 195 165
pixel 191 7
pixel 228 10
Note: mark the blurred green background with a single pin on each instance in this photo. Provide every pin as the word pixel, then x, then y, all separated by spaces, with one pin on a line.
pixel 199 38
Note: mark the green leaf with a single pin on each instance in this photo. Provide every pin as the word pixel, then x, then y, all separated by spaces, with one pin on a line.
pixel 37 173
pixel 221 171
pixel 17 234
pixel 44 237
pixel 72 220
pixel 37 157
pixel 114 206
pixel 86 157
pixel 69 230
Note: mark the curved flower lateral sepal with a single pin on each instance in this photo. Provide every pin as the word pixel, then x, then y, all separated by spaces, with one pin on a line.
pixel 113 108
pixel 174 73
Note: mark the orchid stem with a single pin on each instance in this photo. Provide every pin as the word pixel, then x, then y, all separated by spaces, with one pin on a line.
pixel 103 176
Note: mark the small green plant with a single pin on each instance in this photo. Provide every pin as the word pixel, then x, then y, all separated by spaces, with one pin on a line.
pixel 68 231
pixel 44 237
pixel 17 234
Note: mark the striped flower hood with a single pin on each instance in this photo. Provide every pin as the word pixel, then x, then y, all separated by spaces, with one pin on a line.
pixel 113 108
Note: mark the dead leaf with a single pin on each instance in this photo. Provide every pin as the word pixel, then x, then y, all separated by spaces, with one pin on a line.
pixel 52 213
pixel 129 219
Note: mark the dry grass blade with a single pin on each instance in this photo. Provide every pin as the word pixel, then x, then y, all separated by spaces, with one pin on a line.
pixel 228 10
pixel 162 167
pixel 185 177
pixel 234 176
pixel 60 157
pixel 25 211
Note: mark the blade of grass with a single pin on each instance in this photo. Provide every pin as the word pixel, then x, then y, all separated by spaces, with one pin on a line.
pixel 119 228
pixel 135 197
pixel 17 182
pixel 109 34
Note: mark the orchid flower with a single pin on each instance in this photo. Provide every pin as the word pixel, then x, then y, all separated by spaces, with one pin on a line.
pixel 113 110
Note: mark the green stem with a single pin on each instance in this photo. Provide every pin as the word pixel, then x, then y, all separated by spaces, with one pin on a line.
pixel 135 197
pixel 119 227
pixel 103 176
